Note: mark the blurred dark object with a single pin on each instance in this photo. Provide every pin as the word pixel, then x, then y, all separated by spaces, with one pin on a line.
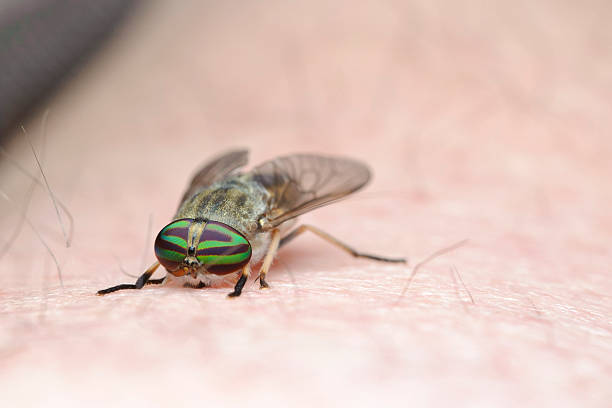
pixel 41 42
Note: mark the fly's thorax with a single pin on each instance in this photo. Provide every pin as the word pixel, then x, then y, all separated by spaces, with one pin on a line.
pixel 238 202
pixel 192 246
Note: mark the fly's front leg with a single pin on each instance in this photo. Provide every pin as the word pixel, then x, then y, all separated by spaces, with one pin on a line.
pixel 143 280
pixel 267 262
pixel 336 243
pixel 246 271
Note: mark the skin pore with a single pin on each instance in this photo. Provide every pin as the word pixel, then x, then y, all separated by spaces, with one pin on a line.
pixel 483 122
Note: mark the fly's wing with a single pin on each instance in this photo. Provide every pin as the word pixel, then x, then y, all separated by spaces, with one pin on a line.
pixel 303 182
pixel 216 170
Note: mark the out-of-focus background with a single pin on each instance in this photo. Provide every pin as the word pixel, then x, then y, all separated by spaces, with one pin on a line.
pixel 42 43
pixel 482 120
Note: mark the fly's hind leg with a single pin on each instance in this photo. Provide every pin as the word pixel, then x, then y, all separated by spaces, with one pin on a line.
pixel 336 243
pixel 143 280
pixel 267 262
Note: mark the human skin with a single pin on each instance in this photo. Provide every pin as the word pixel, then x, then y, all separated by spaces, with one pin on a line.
pixel 485 122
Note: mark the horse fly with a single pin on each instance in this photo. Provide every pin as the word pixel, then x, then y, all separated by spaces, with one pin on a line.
pixel 228 220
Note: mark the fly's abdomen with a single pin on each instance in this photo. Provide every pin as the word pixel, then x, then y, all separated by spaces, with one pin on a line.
pixel 222 249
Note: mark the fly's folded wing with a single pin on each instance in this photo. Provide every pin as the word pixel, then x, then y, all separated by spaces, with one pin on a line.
pixel 216 170
pixel 302 182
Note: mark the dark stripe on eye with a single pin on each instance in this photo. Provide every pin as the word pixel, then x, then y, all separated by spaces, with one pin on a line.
pixel 167 259
pixel 178 232
pixel 171 266
pixel 224 250
pixel 223 269
pixel 174 268
pixel 160 243
pixel 212 235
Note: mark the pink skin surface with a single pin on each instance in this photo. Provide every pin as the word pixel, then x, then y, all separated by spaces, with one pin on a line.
pixel 484 122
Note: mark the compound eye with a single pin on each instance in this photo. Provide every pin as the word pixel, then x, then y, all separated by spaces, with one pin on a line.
pixel 171 246
pixel 222 249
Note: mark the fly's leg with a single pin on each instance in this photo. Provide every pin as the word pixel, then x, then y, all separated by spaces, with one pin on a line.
pixel 246 271
pixel 267 262
pixel 143 280
pixel 156 281
pixel 336 243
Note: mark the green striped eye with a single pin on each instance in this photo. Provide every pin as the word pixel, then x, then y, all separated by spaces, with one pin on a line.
pixel 195 244
pixel 171 244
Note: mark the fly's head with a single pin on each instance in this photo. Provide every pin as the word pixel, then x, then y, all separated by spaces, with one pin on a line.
pixel 192 246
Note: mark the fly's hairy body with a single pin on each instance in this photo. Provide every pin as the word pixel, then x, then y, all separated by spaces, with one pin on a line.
pixel 228 221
